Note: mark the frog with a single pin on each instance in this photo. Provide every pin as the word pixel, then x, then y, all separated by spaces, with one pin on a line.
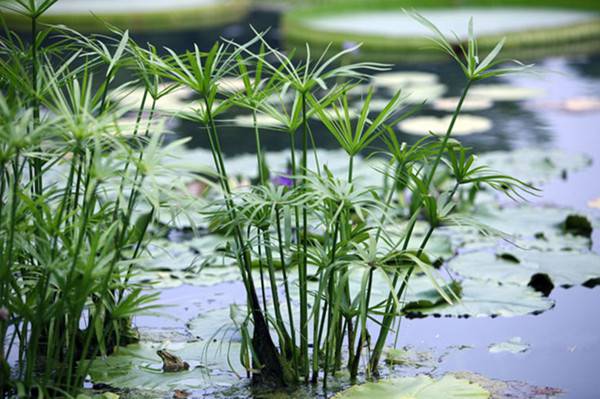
pixel 171 362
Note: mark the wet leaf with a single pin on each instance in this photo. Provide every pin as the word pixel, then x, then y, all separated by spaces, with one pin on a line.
pixel 510 389
pixel 138 366
pixel 478 299
pixel 503 92
pixel 535 165
pixel 410 357
pixel 419 387
pixel 471 103
pixel 400 79
pixel 218 323
pixel 513 345
pixel 465 124
pixel 263 121
pixel 565 268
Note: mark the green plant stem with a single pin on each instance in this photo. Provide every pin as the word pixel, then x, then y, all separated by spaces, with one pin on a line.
pixel 262 342
pixel 259 159
pixel 329 303
pixel 391 310
pixel 285 279
pixel 37 175
pixel 261 272
pixel 303 266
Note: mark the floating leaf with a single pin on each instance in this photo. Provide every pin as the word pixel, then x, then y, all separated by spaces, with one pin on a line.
pixel 543 223
pixel 230 84
pixel 422 93
pixel 478 299
pixel 218 323
pixel 198 262
pixel 565 268
pixel 509 389
pixel 503 92
pixel 465 124
pixel 410 357
pixel 535 165
pixel 262 120
pixel 419 387
pixel 513 345
pixel 401 79
pixel 138 366
pixel 471 103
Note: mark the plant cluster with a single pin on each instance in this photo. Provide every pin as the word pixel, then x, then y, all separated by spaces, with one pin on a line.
pixel 73 183
pixel 69 242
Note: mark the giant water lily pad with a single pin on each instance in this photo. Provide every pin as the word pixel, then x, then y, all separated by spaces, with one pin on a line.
pixel 478 299
pixel 503 92
pixel 401 79
pixel 543 226
pixel 565 268
pixel 422 93
pixel 439 246
pixel 465 125
pixel 218 323
pixel 138 366
pixel 419 387
pixel 262 121
pixel 510 389
pixel 172 102
pixel 513 345
pixel 535 165
pixel 449 104
pixel 168 264
pixel 231 84
pixel 410 357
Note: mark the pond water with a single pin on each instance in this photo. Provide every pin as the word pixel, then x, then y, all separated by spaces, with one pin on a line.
pixel 564 341
pixel 487 21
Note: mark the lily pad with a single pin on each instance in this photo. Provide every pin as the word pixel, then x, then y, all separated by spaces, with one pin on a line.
pixel 524 220
pixel 410 357
pixel 230 84
pixel 565 268
pixel 513 345
pixel 169 264
pixel 262 120
pixel 503 92
pixel 421 93
pixel 334 114
pixel 171 102
pixel 404 78
pixel 465 125
pixel 510 389
pixel 419 387
pixel 218 323
pixel 478 299
pixel 471 103
pixel 138 366
pixel 535 165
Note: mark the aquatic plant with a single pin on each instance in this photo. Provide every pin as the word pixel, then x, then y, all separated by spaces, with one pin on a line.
pixel 335 229
pixel 71 188
pixel 78 199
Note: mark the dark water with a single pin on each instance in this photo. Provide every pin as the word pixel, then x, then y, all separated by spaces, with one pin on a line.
pixel 565 341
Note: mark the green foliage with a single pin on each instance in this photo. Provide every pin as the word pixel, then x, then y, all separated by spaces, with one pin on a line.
pixel 78 201
pixel 70 185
